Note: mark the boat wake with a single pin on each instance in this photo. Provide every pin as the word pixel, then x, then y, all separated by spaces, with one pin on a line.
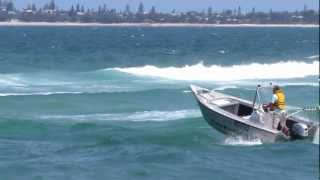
pixel 240 141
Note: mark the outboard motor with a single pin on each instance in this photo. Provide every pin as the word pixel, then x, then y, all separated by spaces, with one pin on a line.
pixel 299 130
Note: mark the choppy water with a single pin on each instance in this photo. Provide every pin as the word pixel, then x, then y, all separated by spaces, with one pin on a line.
pixel 113 102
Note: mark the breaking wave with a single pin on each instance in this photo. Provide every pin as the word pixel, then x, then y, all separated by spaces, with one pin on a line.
pixel 136 116
pixel 280 70
pixel 148 77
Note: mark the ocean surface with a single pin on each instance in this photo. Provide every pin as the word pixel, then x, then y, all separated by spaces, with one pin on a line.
pixel 114 103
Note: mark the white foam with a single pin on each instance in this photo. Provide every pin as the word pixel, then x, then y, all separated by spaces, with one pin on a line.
pixel 222 51
pixel 280 70
pixel 136 116
pixel 313 57
pixel 187 91
pixel 240 141
pixel 38 93
pixel 10 80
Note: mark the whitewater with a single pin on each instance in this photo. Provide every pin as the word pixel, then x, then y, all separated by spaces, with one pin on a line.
pixel 280 70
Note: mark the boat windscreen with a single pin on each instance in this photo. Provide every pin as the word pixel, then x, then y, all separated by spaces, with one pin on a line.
pixel 265 95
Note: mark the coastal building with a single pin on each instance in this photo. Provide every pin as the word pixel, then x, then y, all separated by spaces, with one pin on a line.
pixel 77 13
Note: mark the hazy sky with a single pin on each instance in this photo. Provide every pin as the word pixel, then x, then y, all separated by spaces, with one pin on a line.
pixel 185 5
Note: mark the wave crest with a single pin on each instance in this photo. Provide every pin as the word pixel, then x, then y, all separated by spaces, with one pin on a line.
pixel 280 70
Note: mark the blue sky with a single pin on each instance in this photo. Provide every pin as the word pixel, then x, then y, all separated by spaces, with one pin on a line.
pixel 186 5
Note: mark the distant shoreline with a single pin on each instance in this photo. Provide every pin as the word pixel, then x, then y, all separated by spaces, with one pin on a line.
pixel 149 24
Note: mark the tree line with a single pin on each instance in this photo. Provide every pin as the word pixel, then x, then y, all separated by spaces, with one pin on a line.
pixel 50 12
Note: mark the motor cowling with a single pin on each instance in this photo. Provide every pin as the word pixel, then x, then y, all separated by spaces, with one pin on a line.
pixel 299 130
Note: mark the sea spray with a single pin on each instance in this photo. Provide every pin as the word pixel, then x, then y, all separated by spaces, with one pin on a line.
pixel 240 141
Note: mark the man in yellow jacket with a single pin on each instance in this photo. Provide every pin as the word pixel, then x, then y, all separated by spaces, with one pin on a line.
pixel 278 99
pixel 278 105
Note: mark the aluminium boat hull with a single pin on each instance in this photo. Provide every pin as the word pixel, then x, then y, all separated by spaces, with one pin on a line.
pixel 235 124
pixel 230 126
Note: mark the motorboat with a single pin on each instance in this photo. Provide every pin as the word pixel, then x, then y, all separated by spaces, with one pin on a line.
pixel 251 120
